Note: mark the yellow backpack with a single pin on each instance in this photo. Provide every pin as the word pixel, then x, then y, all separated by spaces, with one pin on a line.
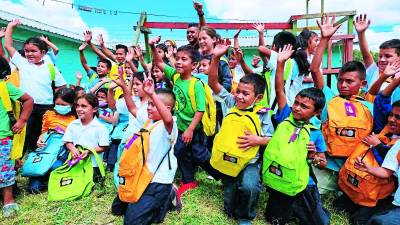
pixel 349 121
pixel 13 110
pixel 209 120
pixel 226 155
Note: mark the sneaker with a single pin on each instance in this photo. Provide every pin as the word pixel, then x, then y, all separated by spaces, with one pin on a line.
pixel 245 222
pixel 176 200
pixel 184 187
pixel 10 209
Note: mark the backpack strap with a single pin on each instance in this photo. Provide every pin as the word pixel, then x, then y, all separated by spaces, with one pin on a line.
pixel 97 157
pixel 175 77
pixel 286 75
pixel 5 98
pixel 192 94
pixel 52 71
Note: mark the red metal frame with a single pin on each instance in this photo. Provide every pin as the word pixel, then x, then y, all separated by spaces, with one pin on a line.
pixel 222 26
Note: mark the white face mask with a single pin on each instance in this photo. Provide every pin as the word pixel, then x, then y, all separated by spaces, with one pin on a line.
pixel 254 102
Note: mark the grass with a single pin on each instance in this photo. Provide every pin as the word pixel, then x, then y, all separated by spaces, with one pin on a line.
pixel 203 205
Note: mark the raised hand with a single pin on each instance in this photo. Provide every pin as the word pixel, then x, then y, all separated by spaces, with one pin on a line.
pixel 138 51
pixel 285 53
pixel 170 52
pixel 392 68
pixel 2 32
pixel 361 23
pixel 259 27
pixel 88 36
pixel 237 33
pixel 78 75
pixel 148 84
pixel 238 54
pixel 327 26
pixel 155 40
pixel 198 7
pixel 220 48
pixel 14 23
pixel 83 46
pixel 100 39
pixel 130 55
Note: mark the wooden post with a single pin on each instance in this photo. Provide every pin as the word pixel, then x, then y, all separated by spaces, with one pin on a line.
pixel 139 25
pixel 294 27
pixel 307 6
pixel 350 25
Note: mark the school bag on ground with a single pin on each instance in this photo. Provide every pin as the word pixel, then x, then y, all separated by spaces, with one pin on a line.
pixel 76 181
pixel 285 166
pixel 133 172
pixel 209 120
pixel 362 187
pixel 41 160
pixel 349 121
pixel 226 155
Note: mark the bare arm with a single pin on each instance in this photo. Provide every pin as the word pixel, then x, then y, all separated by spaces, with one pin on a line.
pixel 78 79
pixel 98 85
pixel 8 41
pixel 376 171
pixel 199 8
pixel 156 58
pixel 88 39
pixel 260 29
pixel 104 49
pixel 27 106
pixel 2 53
pixel 219 50
pixel 361 24
pixel 50 44
pixel 239 56
pixel 83 58
pixel 127 95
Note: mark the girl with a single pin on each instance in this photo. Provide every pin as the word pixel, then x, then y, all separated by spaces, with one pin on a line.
pixel 35 79
pixel 105 113
pixel 307 42
pixel 87 131
pixel 56 119
pixel 159 77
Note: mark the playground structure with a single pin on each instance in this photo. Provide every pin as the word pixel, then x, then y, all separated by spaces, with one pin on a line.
pixel 144 27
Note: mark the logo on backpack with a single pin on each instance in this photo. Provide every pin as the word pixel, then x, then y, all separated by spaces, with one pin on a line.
pixel 65 182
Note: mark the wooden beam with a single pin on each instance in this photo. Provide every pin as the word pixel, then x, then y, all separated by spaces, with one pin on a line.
pixel 319 15
pixel 222 26
pixel 142 19
pixel 341 20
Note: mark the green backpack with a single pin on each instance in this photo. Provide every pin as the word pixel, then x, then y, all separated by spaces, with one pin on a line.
pixel 285 166
pixel 73 182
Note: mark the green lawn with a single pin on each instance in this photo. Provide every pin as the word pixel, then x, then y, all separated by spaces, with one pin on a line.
pixel 203 205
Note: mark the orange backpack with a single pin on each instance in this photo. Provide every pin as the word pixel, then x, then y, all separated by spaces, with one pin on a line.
pixel 349 121
pixel 133 173
pixel 361 187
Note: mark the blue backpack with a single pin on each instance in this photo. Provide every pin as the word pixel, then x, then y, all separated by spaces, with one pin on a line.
pixel 41 160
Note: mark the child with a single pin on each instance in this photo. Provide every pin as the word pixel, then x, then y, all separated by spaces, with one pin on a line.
pixel 302 202
pixel 203 68
pixel 87 131
pixel 307 41
pixel 241 193
pixel 7 129
pixel 156 200
pixel 190 148
pixel 105 113
pixel 161 81
pixel 56 119
pixel 35 80
pixel 236 71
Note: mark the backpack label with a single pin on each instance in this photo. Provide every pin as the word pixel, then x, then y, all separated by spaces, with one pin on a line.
pixel 295 135
pixel 134 137
pixel 353 180
pixel 230 158
pixel 121 180
pixel 65 182
pixel 346 132
pixel 37 159
pixel 275 170
pixel 350 109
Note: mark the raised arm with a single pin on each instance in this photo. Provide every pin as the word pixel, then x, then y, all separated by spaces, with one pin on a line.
pixel 50 44
pixel 104 49
pixel 259 27
pixel 78 77
pixel 239 56
pixel 83 58
pixel 219 50
pixel 199 8
pixel 8 41
pixel 156 58
pixel 2 34
pixel 390 71
pixel 361 24
pixel 127 95
pixel 283 55
pixel 102 81
pixel 328 29
pixel 88 39
pixel 129 57
pixel 139 54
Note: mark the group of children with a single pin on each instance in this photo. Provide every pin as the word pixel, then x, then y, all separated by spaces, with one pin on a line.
pixel 196 105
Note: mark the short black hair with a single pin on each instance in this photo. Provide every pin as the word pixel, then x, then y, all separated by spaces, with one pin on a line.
pixel 314 94
pixel 194 54
pixel 193 25
pixel 354 66
pixel 5 68
pixel 102 90
pixel 394 43
pixel 256 80
pixel 118 46
pixel 283 38
pixel 168 92
pixel 107 62
pixel 208 57
pixel 163 47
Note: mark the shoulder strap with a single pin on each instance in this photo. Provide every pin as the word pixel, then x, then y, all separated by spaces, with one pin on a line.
pixel 94 75
pixel 175 77
pixel 288 69
pixel 98 160
pixel 52 71
pixel 192 93
pixel 5 97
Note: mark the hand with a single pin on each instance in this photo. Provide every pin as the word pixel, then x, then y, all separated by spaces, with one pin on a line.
pixel 361 23
pixel 392 68
pixel 43 38
pixel 14 23
pixel 100 40
pixel 88 36
pixel 187 136
pixel 327 27
pixel 18 126
pixel 237 33
pixel 220 49
pixel 2 32
pixel 148 85
pixel 170 52
pixel 130 55
pixel 84 154
pixel 238 54
pixel 83 46
pixel 198 7
pixel 260 27
pixel 371 140
pixel 40 143
pixel 78 75
pixel 120 81
pixel 248 141
pixel 155 40
pixel 318 161
pixel 285 53
pixel 75 153
pixel 138 51
pixel 360 165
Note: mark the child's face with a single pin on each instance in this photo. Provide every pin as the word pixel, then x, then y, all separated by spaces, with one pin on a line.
pixel 255 60
pixel 128 70
pixel 161 53
pixel 33 54
pixel 84 110
pixel 101 97
pixel 206 43
pixel 303 108
pixel 158 74
pixel 386 56
pixel 184 63
pixel 394 121
pixel 313 42
pixel 152 111
pixel 60 101
pixel 204 66
pixel 120 55
pixel 232 62
pixel 349 84
pixel 245 96
pixel 102 69
pixel 137 87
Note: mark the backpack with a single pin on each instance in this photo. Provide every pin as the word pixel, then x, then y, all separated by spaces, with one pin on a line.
pixel 209 120
pixel 285 166
pixel 13 110
pixel 349 121
pixel 362 187
pixel 133 172
pixel 226 155
pixel 41 160
pixel 73 182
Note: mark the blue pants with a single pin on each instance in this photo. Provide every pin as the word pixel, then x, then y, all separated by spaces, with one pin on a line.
pixel 192 155
pixel 110 156
pixel 242 192
pixel 152 206
pixel 389 217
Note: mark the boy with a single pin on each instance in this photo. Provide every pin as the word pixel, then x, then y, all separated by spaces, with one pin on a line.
pixel 95 77
pixel 241 193
pixel 190 148
pixel 156 200
pixel 347 118
pixel 305 203
pixel 389 51
pixel 7 129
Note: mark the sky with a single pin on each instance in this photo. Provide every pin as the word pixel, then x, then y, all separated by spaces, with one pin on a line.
pixel 119 26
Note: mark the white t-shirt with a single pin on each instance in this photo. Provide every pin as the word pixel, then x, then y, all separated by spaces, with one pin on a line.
pixel 35 80
pixel 392 163
pixel 160 143
pixel 93 135
pixel 135 123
